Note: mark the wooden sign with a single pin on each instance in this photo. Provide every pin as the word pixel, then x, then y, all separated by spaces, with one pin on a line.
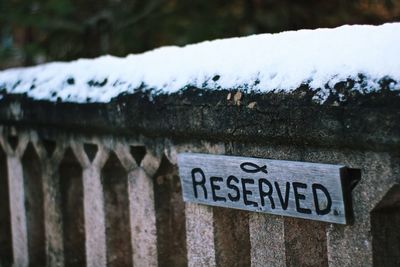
pixel 297 189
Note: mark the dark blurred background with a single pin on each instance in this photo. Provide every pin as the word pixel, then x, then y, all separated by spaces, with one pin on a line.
pixel 37 31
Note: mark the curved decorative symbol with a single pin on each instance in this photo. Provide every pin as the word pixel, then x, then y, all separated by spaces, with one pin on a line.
pixel 253 168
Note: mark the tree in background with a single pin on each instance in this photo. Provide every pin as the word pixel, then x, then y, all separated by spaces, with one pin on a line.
pixel 35 31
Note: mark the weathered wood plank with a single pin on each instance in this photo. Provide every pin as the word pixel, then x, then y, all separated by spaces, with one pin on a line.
pixel 296 189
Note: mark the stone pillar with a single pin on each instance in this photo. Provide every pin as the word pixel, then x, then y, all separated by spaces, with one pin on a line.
pixel 50 154
pixel 17 207
pixel 305 242
pixel 17 199
pixel 143 219
pixel 200 231
pixel 267 232
pixel 231 235
pixel 267 240
pixel 200 235
pixel 351 245
pixel 93 204
pixel 141 205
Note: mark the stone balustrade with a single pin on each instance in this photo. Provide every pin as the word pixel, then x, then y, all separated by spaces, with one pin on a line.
pixel 98 185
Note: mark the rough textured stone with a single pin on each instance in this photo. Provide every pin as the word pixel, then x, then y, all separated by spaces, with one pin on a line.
pixel 72 208
pixel 54 244
pixel 93 208
pixel 267 232
pixel 143 218
pixel 232 240
pixel 305 243
pixel 18 214
pixel 385 220
pixel 200 235
pixel 351 245
pixel 34 204
pixel 52 209
pixel 267 239
pixel 170 216
pixel 17 200
pixel 362 121
pixel 5 222
pixel 118 232
pixel 95 233
pixel 362 132
pixel 346 245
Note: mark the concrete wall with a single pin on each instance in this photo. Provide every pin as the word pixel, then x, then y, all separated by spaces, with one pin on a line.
pixel 114 201
pixel 74 192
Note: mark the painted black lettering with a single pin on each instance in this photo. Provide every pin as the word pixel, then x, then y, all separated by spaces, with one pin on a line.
pixel 284 202
pixel 328 207
pixel 264 194
pixel 200 183
pixel 248 192
pixel 215 187
pixel 253 168
pixel 298 197
pixel 233 187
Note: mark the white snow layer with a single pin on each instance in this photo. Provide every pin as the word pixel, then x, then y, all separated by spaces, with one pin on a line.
pixel 259 63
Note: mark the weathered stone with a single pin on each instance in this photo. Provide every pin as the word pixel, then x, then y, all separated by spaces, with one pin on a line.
pixel 200 235
pixel 362 132
pixel 267 240
pixel 362 121
pixel 232 240
pixel 305 243
pixel 18 214
pixel 17 201
pixel 6 253
pixel 34 205
pixel 143 218
pixel 93 207
pixel 170 216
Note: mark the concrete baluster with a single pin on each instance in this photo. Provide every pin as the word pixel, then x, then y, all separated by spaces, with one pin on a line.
pixel 17 198
pixel 93 204
pixel 51 154
pixel 141 205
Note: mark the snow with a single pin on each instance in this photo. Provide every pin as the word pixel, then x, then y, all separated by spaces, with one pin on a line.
pixel 259 63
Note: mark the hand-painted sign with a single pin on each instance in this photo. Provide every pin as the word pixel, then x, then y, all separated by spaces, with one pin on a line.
pixel 297 189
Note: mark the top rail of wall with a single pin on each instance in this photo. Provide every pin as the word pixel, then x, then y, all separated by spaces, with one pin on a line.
pixel 364 121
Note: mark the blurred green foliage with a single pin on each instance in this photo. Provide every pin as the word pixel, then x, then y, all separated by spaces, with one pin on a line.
pixel 34 31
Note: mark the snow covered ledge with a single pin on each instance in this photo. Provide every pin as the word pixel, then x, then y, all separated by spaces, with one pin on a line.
pixel 329 96
pixel 303 86
pixel 359 59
